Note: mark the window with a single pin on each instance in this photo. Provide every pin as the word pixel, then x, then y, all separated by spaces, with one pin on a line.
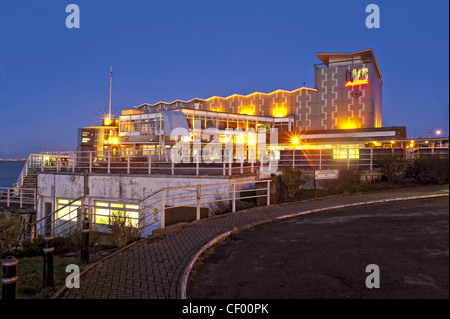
pixel 69 212
pixel 105 212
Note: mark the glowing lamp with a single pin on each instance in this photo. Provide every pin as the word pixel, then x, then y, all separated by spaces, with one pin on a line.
pixel 295 140
pixel 438 132
pixel 279 111
pixel 107 121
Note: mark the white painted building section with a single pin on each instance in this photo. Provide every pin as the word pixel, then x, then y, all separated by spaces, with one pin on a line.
pixel 54 188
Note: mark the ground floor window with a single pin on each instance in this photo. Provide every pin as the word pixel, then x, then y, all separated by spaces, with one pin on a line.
pixel 68 212
pixel 107 212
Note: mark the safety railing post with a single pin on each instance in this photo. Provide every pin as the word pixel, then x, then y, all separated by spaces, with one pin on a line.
pixel 128 165
pixel 42 162
pixel 149 163
pixel 173 167
pixel 9 278
pixel 233 203
pixel 141 216
pixel 348 158
pixel 293 158
pixel 320 159
pixel 58 162
pixel 90 162
pixel 85 240
pixel 197 164
pixel 48 274
pixel 163 217
pixel 268 193
pixel 20 197
pixel 33 232
pixel 109 162
pixel 7 197
pixel 198 201
pixel 371 159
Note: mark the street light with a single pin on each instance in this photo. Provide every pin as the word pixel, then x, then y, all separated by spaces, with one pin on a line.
pixel 437 132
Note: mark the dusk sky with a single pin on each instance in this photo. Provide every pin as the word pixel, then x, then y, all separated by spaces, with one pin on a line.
pixel 54 80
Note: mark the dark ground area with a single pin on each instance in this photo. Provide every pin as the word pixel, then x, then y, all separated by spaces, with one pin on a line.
pixel 324 255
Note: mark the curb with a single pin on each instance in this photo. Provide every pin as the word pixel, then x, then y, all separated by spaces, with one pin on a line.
pixel 215 240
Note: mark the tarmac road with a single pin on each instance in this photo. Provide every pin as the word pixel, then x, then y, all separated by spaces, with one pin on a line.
pixel 324 255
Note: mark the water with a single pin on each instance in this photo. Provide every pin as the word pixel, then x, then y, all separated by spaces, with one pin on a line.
pixel 9 172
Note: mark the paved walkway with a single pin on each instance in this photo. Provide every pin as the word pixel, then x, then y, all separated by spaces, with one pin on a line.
pixel 153 268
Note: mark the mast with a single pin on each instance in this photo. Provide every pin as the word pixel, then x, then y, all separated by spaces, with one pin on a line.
pixel 110 87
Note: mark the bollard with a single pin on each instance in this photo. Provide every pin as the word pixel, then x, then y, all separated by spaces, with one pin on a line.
pixel 9 278
pixel 48 262
pixel 85 241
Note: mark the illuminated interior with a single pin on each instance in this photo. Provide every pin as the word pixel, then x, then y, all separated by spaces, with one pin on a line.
pixel 349 123
pixel 279 111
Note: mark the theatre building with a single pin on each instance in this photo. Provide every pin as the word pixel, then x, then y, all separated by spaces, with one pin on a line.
pixel 152 157
pixel 342 111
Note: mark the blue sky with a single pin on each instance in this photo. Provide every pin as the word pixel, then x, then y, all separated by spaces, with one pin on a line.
pixel 54 80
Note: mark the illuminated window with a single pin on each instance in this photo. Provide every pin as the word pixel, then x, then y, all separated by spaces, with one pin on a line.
pixel 341 152
pixel 105 211
pixel 69 212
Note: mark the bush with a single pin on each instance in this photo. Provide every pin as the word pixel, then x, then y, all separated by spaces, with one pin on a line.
pixel 123 229
pixel 393 168
pixel 288 183
pixel 220 207
pixel 10 230
pixel 417 171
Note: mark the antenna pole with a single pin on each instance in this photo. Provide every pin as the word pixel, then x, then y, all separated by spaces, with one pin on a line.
pixel 110 87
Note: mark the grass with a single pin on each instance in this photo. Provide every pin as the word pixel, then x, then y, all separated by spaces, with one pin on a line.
pixel 30 273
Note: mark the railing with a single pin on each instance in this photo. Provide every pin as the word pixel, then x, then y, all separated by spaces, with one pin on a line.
pixel 207 195
pixel 150 212
pixel 69 217
pixel 149 162
pixel 20 196
pixel 352 158
pixel 44 161
pixel 226 162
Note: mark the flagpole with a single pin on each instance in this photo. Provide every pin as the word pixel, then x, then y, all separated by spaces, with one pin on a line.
pixel 110 87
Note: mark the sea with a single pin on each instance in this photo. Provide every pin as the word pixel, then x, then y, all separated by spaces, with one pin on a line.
pixel 9 172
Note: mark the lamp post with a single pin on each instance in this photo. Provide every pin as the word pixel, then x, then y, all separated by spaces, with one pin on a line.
pixel 437 132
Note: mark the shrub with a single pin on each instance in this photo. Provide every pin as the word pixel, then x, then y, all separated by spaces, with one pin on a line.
pixel 123 228
pixel 10 230
pixel 424 170
pixel 288 183
pixel 393 168
pixel 219 207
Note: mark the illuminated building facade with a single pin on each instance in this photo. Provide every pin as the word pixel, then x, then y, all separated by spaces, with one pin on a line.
pixel 347 95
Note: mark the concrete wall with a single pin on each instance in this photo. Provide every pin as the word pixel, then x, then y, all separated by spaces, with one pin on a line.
pixel 52 186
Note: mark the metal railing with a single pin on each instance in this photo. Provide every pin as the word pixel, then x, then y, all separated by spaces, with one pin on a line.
pixel 199 196
pixel 152 209
pixel 18 196
pixel 353 158
pixel 149 162
pixel 69 217
pixel 45 161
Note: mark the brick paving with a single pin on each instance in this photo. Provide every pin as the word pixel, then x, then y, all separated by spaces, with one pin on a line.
pixel 152 268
